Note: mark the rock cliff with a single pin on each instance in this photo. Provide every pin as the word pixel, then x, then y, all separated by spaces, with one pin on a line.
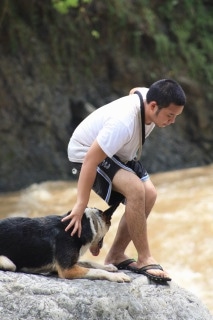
pixel 33 297
pixel 53 68
pixel 37 119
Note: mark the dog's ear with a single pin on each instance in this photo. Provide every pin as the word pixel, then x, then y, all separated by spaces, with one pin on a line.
pixel 109 212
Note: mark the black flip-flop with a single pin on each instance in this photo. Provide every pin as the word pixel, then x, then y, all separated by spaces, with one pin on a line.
pixel 125 265
pixel 152 277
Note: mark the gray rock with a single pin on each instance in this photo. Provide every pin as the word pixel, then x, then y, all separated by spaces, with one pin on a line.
pixel 29 297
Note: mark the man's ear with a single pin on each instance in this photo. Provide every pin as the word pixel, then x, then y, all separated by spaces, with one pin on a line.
pixel 153 106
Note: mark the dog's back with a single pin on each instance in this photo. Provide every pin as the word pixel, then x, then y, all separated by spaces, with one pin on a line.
pixel 35 243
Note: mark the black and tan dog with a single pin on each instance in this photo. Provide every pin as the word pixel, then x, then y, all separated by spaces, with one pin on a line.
pixel 41 245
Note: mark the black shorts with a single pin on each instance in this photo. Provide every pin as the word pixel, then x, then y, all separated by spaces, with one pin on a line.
pixel 105 174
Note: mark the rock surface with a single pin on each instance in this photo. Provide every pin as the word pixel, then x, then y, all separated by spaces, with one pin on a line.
pixel 34 297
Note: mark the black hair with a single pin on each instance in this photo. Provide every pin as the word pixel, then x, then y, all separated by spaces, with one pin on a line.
pixel 165 92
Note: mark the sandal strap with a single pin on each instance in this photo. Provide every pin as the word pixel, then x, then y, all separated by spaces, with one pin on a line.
pixel 125 263
pixel 152 266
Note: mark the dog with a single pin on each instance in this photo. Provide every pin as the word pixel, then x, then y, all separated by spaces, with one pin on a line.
pixel 41 245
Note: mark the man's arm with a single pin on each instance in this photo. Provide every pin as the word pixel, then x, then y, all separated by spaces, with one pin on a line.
pixel 94 156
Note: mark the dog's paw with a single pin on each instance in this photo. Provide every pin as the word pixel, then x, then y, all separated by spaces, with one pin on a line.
pixel 110 268
pixel 121 277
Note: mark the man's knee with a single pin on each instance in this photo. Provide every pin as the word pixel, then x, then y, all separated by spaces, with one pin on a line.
pixel 151 192
pixel 153 195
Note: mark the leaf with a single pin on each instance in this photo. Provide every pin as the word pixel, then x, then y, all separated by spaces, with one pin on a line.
pixel 95 34
pixel 72 3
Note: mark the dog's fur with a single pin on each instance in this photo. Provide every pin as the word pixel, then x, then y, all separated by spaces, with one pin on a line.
pixel 41 245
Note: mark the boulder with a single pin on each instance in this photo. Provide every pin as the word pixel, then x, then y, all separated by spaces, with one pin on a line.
pixel 34 297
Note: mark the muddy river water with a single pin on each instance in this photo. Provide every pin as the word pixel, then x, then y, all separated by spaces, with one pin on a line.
pixel 180 226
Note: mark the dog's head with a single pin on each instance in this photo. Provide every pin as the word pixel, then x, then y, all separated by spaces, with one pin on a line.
pixel 100 223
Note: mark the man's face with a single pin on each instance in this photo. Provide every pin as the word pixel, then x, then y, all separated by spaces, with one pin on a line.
pixel 166 116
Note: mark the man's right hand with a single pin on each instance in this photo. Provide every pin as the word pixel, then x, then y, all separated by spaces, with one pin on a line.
pixel 75 216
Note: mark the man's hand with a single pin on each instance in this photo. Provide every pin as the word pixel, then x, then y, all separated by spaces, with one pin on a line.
pixel 132 91
pixel 75 216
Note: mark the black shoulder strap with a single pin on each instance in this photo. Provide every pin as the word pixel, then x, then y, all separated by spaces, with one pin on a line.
pixel 142 115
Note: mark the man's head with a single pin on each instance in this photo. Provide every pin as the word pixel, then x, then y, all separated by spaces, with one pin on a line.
pixel 165 92
pixel 165 100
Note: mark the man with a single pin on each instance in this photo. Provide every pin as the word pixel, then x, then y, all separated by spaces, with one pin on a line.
pixel 104 149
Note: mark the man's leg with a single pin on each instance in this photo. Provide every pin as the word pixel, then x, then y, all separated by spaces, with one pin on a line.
pixel 150 197
pixel 140 198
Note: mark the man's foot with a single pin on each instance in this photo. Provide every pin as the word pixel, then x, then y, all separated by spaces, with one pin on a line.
pixel 157 278
pixel 151 270
pixel 126 265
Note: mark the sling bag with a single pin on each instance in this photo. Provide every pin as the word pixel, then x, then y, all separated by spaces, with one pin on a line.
pixel 142 115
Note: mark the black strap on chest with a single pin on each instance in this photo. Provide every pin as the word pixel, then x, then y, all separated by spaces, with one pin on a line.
pixel 142 115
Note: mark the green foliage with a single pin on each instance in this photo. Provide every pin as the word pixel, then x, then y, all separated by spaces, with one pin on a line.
pixel 63 6
pixel 189 27
pixel 157 36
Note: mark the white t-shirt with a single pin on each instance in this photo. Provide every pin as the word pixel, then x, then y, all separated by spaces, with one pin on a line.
pixel 116 126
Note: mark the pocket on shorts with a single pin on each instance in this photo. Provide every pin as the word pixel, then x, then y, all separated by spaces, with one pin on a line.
pixel 75 169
